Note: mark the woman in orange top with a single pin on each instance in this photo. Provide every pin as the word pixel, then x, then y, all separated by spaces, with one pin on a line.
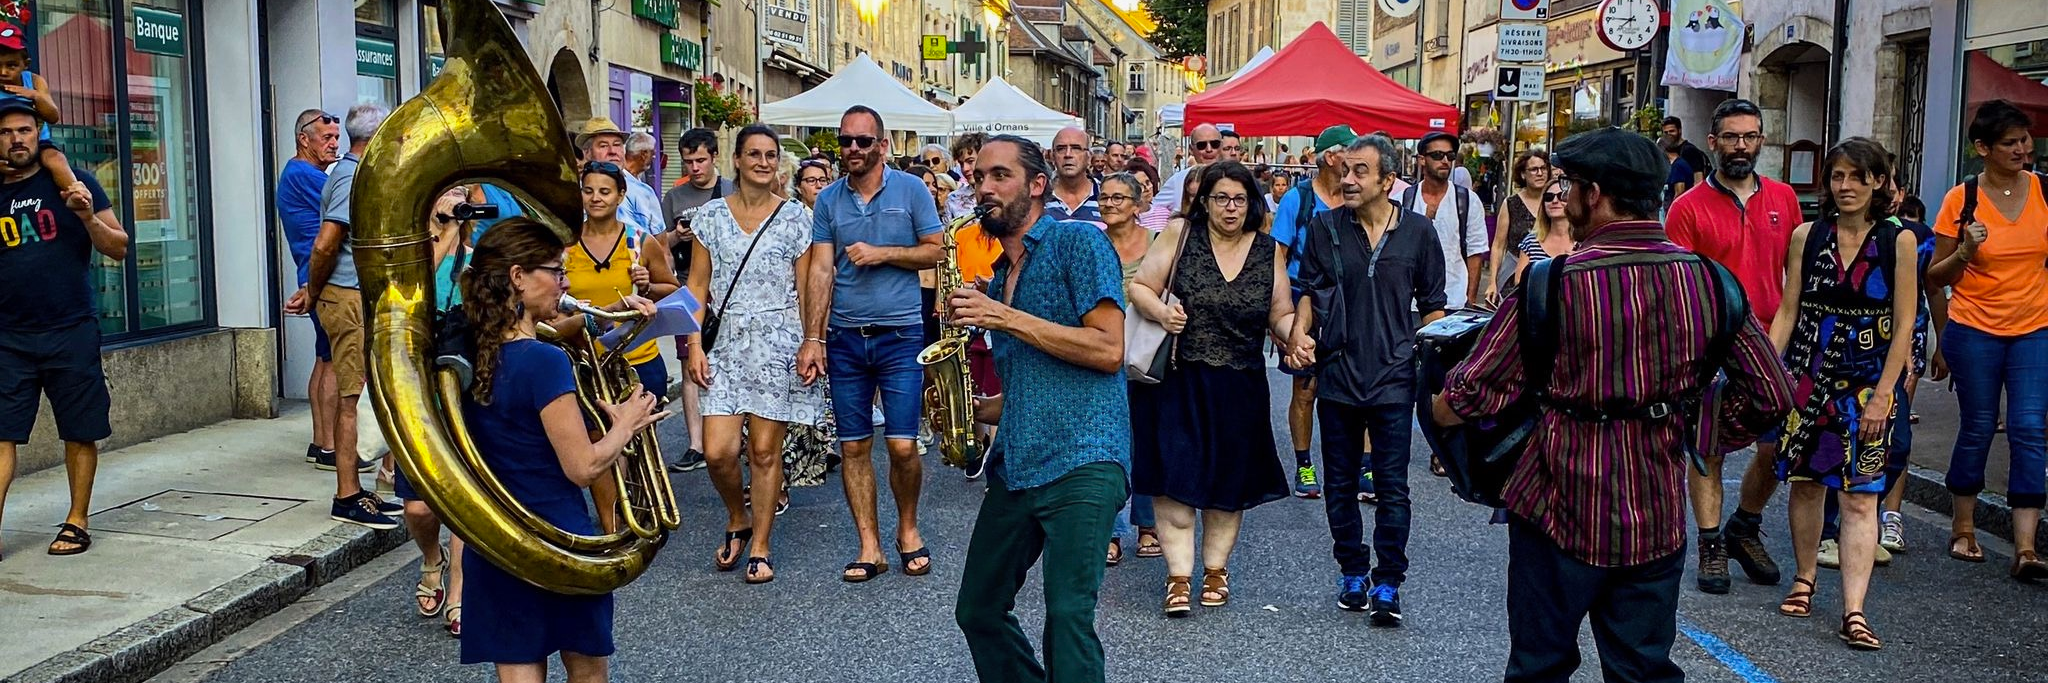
pixel 1996 340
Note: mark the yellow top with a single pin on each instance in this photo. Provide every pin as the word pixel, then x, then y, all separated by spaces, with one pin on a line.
pixel 606 284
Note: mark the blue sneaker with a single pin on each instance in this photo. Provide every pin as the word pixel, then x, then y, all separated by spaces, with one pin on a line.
pixel 1366 494
pixel 1351 593
pixel 1386 605
pixel 360 510
pixel 1305 485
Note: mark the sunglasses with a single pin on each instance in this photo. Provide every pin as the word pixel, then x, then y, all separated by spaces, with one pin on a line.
pixel 323 119
pixel 601 167
pixel 1549 197
pixel 1207 144
pixel 933 161
pixel 1438 155
pixel 857 141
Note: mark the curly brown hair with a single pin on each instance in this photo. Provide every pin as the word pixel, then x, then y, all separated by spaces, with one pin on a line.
pixel 488 299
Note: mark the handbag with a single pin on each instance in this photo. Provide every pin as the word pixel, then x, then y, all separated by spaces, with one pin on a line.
pixel 1146 342
pixel 708 334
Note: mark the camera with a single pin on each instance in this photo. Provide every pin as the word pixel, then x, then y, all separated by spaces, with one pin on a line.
pixel 471 212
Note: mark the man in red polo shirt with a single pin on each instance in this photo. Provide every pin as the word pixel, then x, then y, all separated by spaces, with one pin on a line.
pixel 1744 221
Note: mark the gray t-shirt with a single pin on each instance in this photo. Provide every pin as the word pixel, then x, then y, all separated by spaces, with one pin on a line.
pixel 334 206
pixel 900 215
pixel 688 196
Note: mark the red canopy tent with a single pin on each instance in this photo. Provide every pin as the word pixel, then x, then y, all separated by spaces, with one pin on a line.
pixel 1314 83
pixel 1990 80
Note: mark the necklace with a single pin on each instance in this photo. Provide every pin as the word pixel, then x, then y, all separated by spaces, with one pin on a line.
pixel 2007 192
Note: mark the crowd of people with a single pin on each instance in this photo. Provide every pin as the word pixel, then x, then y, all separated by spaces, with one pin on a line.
pixel 1692 306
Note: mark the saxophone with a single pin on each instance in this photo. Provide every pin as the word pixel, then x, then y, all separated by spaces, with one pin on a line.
pixel 949 401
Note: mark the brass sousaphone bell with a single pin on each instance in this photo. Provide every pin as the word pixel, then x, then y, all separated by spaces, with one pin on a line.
pixel 487 118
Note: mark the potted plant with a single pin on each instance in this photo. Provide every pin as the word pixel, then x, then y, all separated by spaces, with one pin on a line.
pixel 717 108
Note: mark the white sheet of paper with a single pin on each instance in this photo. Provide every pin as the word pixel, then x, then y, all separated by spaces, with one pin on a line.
pixel 675 314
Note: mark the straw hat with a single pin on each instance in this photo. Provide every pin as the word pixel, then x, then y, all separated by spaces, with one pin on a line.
pixel 597 126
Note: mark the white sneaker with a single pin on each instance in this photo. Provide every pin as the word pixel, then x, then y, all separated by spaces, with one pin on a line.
pixel 1893 537
pixel 1882 558
pixel 1830 554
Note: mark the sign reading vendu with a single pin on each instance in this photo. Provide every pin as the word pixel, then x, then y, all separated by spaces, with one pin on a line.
pixel 159 33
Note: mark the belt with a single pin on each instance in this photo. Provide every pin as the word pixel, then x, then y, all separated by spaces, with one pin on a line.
pixel 1617 413
pixel 875 330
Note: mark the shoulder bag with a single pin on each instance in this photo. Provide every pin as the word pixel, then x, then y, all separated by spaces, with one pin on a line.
pixel 1146 342
pixel 713 320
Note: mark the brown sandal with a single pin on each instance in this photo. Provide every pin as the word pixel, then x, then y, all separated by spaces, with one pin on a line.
pixel 1177 597
pixel 1215 582
pixel 1116 553
pixel 2027 566
pixel 1798 604
pixel 1971 552
pixel 1148 542
pixel 1856 632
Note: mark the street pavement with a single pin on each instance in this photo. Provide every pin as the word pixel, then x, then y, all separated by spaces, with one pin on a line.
pixel 1941 620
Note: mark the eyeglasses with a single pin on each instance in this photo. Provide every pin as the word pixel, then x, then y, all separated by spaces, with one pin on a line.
pixel 560 272
pixel 323 119
pixel 1207 144
pixel 1751 138
pixel 1229 201
pixel 857 141
pixel 816 180
pixel 1536 169
pixel 1114 199
pixel 1438 155
pixel 934 161
pixel 601 167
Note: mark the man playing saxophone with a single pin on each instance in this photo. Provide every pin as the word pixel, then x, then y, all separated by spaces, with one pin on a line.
pixel 1058 470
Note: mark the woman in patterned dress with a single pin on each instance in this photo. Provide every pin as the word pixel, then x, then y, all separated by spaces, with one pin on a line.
pixel 811 449
pixel 756 244
pixel 1845 329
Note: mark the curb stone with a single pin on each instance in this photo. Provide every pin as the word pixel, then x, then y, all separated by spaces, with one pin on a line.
pixel 138 651
pixel 1926 488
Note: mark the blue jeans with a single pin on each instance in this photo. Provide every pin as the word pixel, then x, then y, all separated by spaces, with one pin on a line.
pixel 1343 455
pixel 1138 513
pixel 859 365
pixel 1985 366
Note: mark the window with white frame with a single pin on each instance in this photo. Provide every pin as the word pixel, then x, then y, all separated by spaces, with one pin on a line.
pixel 1136 80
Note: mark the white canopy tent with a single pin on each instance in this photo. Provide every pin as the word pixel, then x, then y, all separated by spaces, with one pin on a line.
pixel 1173 115
pixel 1001 108
pixel 861 81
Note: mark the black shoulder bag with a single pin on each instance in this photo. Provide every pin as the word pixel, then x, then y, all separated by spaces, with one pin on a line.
pixel 708 334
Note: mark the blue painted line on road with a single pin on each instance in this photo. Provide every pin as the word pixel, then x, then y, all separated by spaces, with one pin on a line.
pixel 1721 650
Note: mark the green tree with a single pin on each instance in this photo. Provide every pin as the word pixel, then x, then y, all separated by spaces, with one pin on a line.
pixel 1183 27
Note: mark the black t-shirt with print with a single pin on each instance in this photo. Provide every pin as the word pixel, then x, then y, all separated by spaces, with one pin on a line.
pixel 45 255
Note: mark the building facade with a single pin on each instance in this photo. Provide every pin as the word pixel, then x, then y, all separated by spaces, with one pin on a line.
pixel 1979 50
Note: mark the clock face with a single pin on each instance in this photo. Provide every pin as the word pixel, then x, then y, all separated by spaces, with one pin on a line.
pixel 1628 24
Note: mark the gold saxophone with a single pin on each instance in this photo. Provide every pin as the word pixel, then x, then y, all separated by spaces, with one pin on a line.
pixel 949 401
pixel 487 118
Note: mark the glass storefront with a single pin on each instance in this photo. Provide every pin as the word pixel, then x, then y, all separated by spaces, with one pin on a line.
pixel 129 119
pixel 2015 72
pixel 377 52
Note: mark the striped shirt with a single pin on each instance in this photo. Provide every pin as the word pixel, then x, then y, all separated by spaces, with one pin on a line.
pixel 1087 212
pixel 1636 316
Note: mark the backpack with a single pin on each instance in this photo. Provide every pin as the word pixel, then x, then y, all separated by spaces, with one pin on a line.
pixel 1409 202
pixel 1305 203
pixel 1478 457
pixel 1969 213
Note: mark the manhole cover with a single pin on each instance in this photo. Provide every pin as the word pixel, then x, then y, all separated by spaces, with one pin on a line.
pixel 190 514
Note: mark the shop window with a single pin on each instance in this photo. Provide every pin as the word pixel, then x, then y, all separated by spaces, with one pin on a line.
pixel 2016 73
pixel 130 122
pixel 377 52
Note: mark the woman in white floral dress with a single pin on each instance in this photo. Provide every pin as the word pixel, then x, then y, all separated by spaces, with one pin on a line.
pixel 756 244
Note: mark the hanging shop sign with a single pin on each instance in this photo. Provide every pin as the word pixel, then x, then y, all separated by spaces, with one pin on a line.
pixel 376 58
pixel 159 32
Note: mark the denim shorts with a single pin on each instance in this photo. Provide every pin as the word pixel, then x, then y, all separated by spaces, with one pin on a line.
pixel 861 363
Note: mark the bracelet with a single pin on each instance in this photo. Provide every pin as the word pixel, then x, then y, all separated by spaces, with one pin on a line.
pixel 808 340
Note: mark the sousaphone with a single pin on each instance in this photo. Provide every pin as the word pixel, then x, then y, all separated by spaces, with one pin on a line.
pixel 487 118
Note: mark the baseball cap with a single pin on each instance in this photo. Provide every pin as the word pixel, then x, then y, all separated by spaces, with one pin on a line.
pixel 13 103
pixel 1620 162
pixel 1435 136
pixel 11 37
pixel 1337 136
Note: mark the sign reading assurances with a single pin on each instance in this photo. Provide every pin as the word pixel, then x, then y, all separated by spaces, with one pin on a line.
pixel 1524 10
pixel 934 47
pixel 376 58
pixel 1519 83
pixel 159 33
pixel 1524 42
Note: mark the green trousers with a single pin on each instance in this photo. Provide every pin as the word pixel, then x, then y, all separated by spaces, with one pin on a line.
pixel 1068 522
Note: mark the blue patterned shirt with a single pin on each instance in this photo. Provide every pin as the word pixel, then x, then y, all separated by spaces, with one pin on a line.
pixel 1058 416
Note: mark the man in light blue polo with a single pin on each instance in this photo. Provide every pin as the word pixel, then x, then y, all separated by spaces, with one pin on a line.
pixel 872 231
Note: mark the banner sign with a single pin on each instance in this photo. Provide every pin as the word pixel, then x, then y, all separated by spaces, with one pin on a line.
pixel 1706 45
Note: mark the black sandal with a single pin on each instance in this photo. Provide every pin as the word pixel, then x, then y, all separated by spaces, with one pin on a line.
pixel 1799 603
pixel 1856 632
pixel 868 571
pixel 744 536
pixel 918 554
pixel 74 535
pixel 754 565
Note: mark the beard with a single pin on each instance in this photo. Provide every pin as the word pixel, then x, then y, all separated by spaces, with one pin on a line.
pixel 1006 218
pixel 20 157
pixel 866 159
pixel 1580 217
pixel 1738 165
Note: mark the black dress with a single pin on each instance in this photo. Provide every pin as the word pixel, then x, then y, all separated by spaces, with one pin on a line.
pixel 1203 435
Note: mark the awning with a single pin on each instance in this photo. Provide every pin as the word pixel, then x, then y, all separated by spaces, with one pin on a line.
pixel 861 81
pixel 1313 83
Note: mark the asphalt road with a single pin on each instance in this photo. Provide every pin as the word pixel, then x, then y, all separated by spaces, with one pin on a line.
pixel 1941 620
